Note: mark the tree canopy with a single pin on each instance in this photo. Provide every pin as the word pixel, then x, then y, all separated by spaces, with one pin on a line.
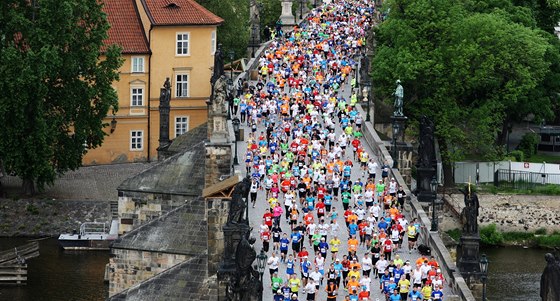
pixel 56 88
pixel 235 32
pixel 471 66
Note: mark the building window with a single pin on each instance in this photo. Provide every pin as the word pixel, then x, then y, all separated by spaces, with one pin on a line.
pixel 182 85
pixel 138 64
pixel 136 140
pixel 137 97
pixel 181 125
pixel 182 44
pixel 213 43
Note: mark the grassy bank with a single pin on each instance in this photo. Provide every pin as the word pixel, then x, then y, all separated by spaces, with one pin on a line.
pixel 547 189
pixel 491 236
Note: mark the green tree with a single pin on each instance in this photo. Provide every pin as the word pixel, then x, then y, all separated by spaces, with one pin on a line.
pixel 56 88
pixel 471 68
pixel 234 33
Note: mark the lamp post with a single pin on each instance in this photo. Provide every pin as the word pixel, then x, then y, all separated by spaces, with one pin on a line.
pixel 484 271
pixel 433 188
pixel 395 133
pixel 236 122
pixel 261 262
pixel 301 3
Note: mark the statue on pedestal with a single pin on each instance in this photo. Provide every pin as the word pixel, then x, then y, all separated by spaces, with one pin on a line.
pixel 244 284
pixel 469 215
pixel 238 201
pixel 550 279
pixel 399 94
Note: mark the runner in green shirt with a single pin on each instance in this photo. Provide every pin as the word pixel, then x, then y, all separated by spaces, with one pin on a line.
pixel 276 282
pixel 346 196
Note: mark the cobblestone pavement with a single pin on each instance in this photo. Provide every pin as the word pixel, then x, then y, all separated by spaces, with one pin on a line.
pixel 87 183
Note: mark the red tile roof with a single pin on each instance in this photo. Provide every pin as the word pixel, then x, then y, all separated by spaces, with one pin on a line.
pixel 179 12
pixel 126 27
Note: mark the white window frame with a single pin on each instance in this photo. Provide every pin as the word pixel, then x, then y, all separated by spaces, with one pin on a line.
pixel 136 137
pixel 180 35
pixel 132 64
pixel 181 124
pixel 176 86
pixel 132 95
pixel 213 42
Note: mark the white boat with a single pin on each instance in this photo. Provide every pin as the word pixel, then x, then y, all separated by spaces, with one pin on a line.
pixel 92 236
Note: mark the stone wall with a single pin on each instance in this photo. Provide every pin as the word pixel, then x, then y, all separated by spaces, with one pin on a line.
pixel 515 212
pixel 49 217
pixel 217 214
pixel 137 208
pixel 218 162
pixel 130 267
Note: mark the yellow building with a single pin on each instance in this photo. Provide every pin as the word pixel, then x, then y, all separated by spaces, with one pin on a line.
pixel 159 39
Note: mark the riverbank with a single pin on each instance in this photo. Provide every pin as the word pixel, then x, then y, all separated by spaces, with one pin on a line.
pixel 48 217
pixel 490 235
pixel 512 213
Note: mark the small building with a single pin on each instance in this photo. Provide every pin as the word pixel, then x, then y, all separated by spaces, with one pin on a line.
pixel 160 39
pixel 549 138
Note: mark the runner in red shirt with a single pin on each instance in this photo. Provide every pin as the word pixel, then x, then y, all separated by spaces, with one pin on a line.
pixel 320 207
pixel 268 218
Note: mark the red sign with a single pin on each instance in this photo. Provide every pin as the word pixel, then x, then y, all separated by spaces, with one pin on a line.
pixel 526 164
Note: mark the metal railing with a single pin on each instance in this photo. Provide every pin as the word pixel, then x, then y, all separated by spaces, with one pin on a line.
pixel 523 180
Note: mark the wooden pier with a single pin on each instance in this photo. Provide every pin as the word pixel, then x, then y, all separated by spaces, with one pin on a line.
pixel 13 263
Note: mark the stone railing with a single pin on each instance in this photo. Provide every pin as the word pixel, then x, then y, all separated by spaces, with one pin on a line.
pixel 432 239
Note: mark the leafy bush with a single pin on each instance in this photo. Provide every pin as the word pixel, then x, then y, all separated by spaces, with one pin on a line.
pixel 454 233
pixel 517 236
pixel 528 144
pixel 540 231
pixel 489 235
pixel 518 155
pixel 549 241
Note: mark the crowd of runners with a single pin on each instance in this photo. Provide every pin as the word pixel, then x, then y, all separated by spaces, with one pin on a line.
pixel 306 157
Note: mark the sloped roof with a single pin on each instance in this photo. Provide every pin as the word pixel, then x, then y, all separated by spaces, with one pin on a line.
pixel 126 27
pixel 179 12
pixel 182 173
pixel 181 231
pixel 185 281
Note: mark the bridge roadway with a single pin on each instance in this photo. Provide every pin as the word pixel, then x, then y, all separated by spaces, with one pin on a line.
pixel 262 204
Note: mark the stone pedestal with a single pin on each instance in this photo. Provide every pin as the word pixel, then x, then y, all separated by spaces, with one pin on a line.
pixel 287 18
pixel 468 260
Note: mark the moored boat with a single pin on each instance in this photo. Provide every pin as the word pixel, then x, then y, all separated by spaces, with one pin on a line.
pixel 92 236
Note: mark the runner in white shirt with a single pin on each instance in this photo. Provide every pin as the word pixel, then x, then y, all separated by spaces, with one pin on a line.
pixel 366 264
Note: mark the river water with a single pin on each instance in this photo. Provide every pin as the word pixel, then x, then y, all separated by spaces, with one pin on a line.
pixel 514 273
pixel 59 275
pixel 75 276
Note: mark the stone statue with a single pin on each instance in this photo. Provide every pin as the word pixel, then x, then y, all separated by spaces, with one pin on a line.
pixel 426 147
pixel 469 215
pixel 399 94
pixel 219 96
pixel 245 285
pixel 239 201
pixel 550 278
pixel 218 65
